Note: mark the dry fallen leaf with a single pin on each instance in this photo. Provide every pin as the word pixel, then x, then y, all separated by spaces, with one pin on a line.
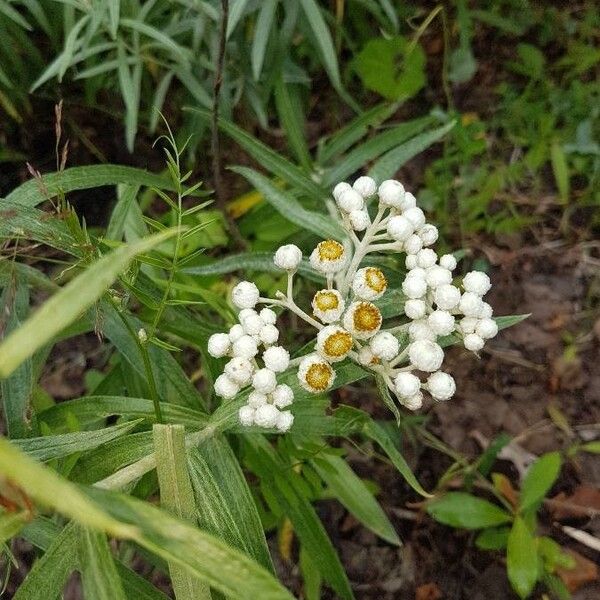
pixel 428 591
pixel 583 502
pixel 585 571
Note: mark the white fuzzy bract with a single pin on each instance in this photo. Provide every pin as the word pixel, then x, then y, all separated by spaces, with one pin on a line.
pixel 365 186
pixel 407 384
pixel 369 283
pixel 425 355
pixel 266 416
pixel 315 374
pixel 441 386
pixel 359 220
pixel 391 193
pixel 239 370
pixel 284 421
pixel 276 358
pixel 246 347
pixel 264 381
pixel 288 257
pixel 245 294
pixel 282 395
pixel 334 343
pixel 400 228
pixel 384 346
pixel 477 282
pixel 362 320
pixel 328 257
pixel 328 305
pixel 225 387
pixel 350 200
pixel 219 344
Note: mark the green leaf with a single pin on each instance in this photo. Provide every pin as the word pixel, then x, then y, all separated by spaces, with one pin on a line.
pixel 177 497
pixel 236 11
pixel 261 36
pixel 57 446
pixel 350 490
pixel 98 572
pixel 458 509
pixel 290 208
pixel 539 479
pixel 126 194
pixel 560 168
pixel 493 538
pixel 393 67
pixel 389 164
pixel 84 178
pixel 11 523
pixel 521 559
pixel 67 304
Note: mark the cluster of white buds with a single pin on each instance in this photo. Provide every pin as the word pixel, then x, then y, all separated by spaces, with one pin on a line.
pixel 243 344
pixel 407 355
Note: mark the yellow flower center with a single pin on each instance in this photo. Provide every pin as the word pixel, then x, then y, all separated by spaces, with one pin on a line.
pixel 326 300
pixel 338 344
pixel 375 279
pixel 366 317
pixel 330 250
pixel 318 376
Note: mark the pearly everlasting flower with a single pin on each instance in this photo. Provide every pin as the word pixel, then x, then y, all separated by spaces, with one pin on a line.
pixel 413 402
pixel 328 305
pixel 269 334
pixel 486 328
pixel 235 333
pixel 428 234
pixel 470 304
pixel 284 421
pixel 362 320
pixel 225 387
pixel 425 355
pixel 420 330
pixel 282 395
pixel 328 257
pixel 468 325
pixel 256 399
pixel 447 297
pixel 448 262
pixel 246 347
pixel 477 282
pixel 369 283
pixel 264 381
pixel 245 294
pixel 359 220
pixel 437 276
pixel 315 374
pixel 276 358
pixel 365 186
pixel 400 228
pixel 334 343
pixel 414 287
pixel 350 200
pixel 486 311
pixel 366 357
pixel 384 346
pixel 340 188
pixel 411 261
pixel 413 244
pixel 407 384
pixel 441 322
pixel 252 323
pixel 416 216
pixel 409 201
pixel 246 415
pixel 266 416
pixel 426 258
pixel 239 370
pixel 415 309
pixel 288 257
pixel 473 342
pixel 441 386
pixel 391 193
pixel 268 316
pixel 219 345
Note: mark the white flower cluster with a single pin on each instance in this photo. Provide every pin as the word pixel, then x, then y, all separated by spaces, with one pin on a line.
pixel 345 312
pixel 242 345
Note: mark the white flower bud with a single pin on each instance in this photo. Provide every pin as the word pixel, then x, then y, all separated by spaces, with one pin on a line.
pixel 266 416
pixel 369 283
pixel 473 342
pixel 246 416
pixel 264 381
pixel 350 200
pixel 334 343
pixel 420 330
pixel 256 399
pixel 486 311
pixel 340 188
pixel 282 395
pixel 245 294
pixel 468 325
pixel 359 220
pixel 415 309
pixel 425 355
pixel 407 384
pixel 235 333
pixel 441 386
pixel 285 420
pixel 426 258
pixel 252 323
pixel 288 257
pixel 413 244
pixel 400 228
pixel 362 320
pixel 365 186
pixel 408 202
pixel 413 402
pixel 315 374
pixel 142 335
pixel 447 297
pixel 391 193
pixel 441 322
pixel 268 316
pixel 329 256
pixel 470 304
pixel 225 387
pixel 448 262
pixel 416 216
pixel 240 370
pixel 246 347
pixel 328 305
pixel 276 358
pixel 269 334
pixel 437 276
pixel 245 313
pixel 417 271
pixel 428 234
pixel 384 345
pixel 411 261
pixel 487 329
pixel 414 287
pixel 219 345
pixel 477 282
pixel 366 356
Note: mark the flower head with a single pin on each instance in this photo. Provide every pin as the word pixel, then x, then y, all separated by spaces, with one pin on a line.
pixel 384 345
pixel 328 257
pixel 219 345
pixel 245 294
pixel 328 305
pixel 362 320
pixel 369 283
pixel 315 374
pixel 288 257
pixel 441 386
pixel 334 343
